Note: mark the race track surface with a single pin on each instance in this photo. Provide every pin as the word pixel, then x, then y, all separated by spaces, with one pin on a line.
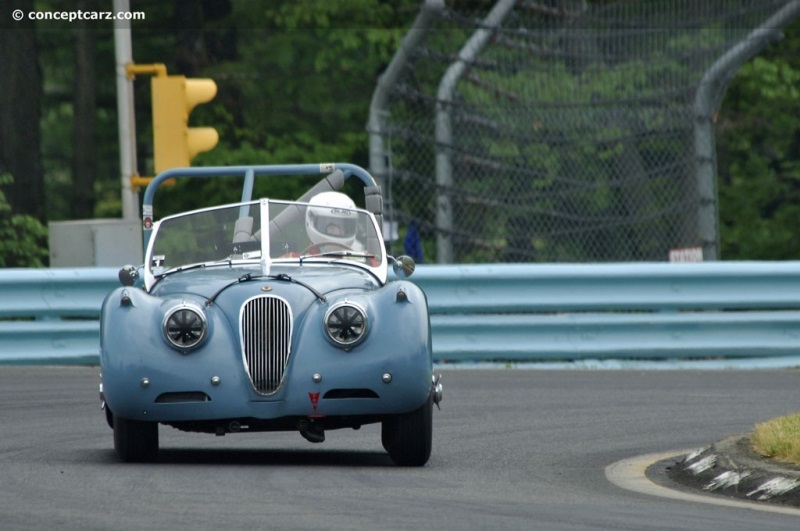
pixel 513 449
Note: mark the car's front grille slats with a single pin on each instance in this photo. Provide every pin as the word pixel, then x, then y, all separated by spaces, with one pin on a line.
pixel 266 332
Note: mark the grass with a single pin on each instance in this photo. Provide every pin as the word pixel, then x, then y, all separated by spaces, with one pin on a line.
pixel 778 438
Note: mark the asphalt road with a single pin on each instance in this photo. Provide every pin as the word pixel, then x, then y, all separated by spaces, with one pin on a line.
pixel 513 449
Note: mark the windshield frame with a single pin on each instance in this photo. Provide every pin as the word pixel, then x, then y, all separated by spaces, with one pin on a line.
pixel 152 273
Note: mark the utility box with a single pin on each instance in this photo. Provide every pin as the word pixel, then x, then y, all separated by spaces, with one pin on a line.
pixel 95 243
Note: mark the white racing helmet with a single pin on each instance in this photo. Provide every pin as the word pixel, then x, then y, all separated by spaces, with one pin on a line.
pixel 330 218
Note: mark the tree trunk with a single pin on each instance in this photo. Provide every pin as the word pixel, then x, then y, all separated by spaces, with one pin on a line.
pixel 84 161
pixel 20 113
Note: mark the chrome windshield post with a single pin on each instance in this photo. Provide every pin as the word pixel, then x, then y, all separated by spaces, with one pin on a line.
pixel 266 259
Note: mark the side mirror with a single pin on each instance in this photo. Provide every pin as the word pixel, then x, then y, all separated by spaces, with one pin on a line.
pixel 128 275
pixel 403 266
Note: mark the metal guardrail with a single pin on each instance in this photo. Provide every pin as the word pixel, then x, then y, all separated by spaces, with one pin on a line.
pixel 492 312
pixel 52 315
pixel 640 311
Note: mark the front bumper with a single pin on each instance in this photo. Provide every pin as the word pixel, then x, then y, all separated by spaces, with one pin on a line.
pixel 147 394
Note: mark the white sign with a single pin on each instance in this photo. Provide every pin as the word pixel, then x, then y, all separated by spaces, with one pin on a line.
pixel 687 254
pixel 390 230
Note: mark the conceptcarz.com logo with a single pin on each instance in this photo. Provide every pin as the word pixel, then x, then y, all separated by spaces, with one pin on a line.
pixel 72 16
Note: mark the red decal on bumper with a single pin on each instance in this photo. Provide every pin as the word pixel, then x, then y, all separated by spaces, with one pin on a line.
pixel 314 400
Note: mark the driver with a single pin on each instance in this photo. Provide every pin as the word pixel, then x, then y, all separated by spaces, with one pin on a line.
pixel 330 218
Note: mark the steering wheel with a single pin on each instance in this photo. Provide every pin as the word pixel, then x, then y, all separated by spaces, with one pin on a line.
pixel 317 247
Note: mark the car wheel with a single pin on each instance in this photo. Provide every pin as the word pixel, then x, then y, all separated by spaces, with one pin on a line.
pixel 134 440
pixel 109 418
pixel 408 438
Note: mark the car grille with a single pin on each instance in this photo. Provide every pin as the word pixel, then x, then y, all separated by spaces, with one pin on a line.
pixel 266 328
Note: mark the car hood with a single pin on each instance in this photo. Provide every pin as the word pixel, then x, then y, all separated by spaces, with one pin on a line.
pixel 207 282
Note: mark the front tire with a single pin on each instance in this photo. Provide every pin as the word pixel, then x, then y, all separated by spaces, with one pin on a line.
pixel 135 441
pixel 408 438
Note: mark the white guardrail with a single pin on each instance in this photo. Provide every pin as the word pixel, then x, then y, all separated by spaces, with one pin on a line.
pixel 507 313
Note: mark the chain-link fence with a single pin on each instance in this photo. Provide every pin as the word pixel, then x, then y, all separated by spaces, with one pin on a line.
pixel 566 134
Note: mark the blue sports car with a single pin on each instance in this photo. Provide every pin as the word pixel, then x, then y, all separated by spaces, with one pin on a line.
pixel 269 315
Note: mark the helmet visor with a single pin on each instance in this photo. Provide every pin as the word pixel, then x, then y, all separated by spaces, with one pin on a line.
pixel 337 223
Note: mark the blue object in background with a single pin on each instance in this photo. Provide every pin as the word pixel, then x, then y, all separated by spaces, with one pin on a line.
pixel 413 244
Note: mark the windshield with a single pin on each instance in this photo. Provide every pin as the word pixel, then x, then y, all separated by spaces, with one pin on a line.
pixel 293 232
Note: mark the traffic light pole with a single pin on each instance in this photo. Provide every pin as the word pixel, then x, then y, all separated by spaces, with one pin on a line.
pixel 125 113
pixel 175 143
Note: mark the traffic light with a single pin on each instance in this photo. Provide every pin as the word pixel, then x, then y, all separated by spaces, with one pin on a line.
pixel 174 142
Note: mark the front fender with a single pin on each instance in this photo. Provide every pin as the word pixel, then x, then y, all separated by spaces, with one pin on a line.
pixel 398 343
pixel 133 348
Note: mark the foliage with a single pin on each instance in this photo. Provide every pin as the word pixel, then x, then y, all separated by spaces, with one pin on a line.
pixel 23 238
pixel 546 149
pixel 759 156
pixel 293 87
pixel 778 438
pixel 599 144
pixel 295 79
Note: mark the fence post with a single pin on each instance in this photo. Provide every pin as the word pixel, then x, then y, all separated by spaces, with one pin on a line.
pixel 707 99
pixel 378 108
pixel 444 134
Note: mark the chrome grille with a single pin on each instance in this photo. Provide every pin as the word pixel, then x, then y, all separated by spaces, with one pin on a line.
pixel 266 330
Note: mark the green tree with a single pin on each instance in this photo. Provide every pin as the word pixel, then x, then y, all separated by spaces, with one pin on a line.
pixel 294 81
pixel 758 139
pixel 23 238
pixel 20 108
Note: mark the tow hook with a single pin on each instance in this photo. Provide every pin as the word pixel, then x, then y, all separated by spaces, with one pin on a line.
pixel 437 390
pixel 310 432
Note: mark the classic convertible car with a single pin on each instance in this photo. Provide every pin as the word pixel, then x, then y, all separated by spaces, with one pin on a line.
pixel 269 315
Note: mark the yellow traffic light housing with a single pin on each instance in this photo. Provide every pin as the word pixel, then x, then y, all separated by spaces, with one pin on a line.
pixel 175 144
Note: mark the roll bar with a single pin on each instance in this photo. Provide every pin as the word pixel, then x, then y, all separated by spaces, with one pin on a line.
pixel 338 173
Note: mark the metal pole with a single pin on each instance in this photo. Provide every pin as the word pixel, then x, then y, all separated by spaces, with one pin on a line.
pixel 707 99
pixel 444 134
pixel 378 109
pixel 125 113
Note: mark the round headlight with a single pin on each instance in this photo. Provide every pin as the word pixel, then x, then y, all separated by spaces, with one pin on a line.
pixel 346 324
pixel 185 326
